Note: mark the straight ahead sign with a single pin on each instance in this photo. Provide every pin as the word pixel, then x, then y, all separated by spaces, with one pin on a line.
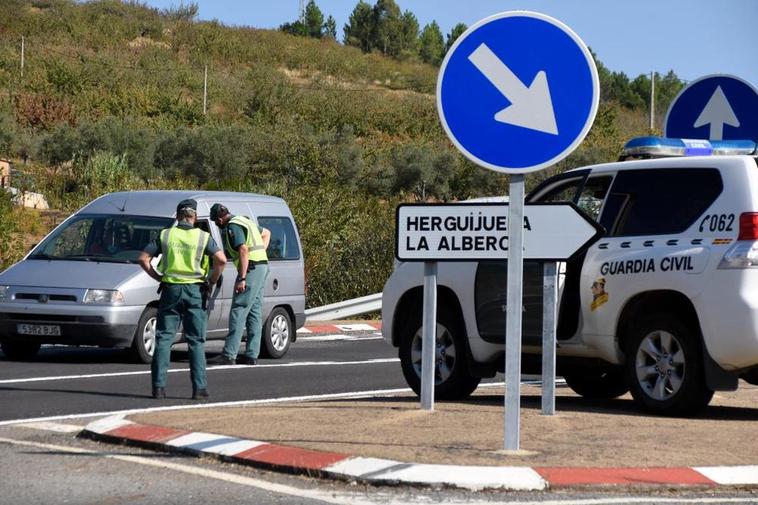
pixel 479 231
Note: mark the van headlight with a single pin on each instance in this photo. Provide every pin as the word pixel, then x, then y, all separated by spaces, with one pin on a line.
pixel 103 296
pixel 4 290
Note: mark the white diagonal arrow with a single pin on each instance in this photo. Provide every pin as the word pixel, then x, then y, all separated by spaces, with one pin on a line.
pixel 717 113
pixel 531 107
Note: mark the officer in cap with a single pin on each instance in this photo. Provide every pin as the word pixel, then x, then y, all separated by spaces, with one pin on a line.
pixel 184 273
pixel 246 243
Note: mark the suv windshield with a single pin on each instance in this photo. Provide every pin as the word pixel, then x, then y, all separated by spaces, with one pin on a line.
pixel 117 239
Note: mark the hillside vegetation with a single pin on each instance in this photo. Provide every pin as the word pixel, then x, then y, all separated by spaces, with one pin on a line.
pixel 111 98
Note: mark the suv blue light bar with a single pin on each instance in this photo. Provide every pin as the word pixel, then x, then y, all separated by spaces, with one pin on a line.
pixel 661 147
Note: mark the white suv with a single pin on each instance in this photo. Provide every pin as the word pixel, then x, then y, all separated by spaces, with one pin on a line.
pixel 665 305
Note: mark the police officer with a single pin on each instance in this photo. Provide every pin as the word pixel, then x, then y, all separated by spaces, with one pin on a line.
pixel 246 244
pixel 186 251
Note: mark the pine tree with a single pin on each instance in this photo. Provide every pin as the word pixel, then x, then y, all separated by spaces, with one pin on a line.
pixel 431 44
pixel 330 28
pixel 313 20
pixel 456 32
pixel 358 31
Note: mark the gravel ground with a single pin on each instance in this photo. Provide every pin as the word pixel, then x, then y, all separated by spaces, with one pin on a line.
pixel 582 433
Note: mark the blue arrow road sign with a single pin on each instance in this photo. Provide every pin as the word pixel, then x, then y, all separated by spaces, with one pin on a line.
pixel 517 92
pixel 714 107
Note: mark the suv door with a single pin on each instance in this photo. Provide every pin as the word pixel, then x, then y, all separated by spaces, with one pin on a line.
pixel 588 192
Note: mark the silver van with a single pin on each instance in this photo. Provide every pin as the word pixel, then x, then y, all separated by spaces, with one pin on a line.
pixel 81 285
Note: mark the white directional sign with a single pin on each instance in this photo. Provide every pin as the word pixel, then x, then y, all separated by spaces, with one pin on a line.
pixel 479 231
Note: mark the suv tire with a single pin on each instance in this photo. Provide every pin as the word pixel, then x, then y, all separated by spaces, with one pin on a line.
pixel 145 337
pixel 598 384
pixel 664 366
pixel 452 380
pixel 277 334
pixel 20 351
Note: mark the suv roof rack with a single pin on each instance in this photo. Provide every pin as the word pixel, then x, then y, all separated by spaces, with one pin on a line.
pixel 663 147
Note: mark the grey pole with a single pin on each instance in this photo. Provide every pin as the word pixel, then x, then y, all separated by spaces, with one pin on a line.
pixel 205 91
pixel 22 56
pixel 549 310
pixel 652 100
pixel 428 335
pixel 513 313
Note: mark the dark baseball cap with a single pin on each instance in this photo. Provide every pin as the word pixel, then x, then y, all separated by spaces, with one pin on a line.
pixel 188 204
pixel 218 210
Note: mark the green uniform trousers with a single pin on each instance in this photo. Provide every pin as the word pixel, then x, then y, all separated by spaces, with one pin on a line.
pixel 180 303
pixel 247 308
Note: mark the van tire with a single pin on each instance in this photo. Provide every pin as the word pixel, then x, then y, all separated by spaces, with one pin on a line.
pixel 454 381
pixel 664 366
pixel 20 351
pixel 597 384
pixel 277 334
pixel 145 336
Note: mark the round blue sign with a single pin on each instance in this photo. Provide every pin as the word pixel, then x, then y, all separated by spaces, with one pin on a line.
pixel 517 92
pixel 714 107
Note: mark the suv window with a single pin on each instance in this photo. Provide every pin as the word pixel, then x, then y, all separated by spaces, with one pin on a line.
pixel 283 244
pixel 659 201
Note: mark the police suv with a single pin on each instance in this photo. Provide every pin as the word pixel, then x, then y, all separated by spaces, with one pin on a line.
pixel 665 305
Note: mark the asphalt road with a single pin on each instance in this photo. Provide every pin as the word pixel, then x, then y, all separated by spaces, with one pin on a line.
pixel 64 381
pixel 44 462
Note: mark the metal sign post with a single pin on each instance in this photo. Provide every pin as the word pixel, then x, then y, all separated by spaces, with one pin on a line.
pixel 428 335
pixel 517 92
pixel 549 314
pixel 513 319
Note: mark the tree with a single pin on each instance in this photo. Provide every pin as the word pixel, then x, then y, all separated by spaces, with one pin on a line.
pixel 409 34
pixel 313 20
pixel 297 28
pixel 358 31
pixel 330 28
pixel 388 31
pixel 431 44
pixel 456 32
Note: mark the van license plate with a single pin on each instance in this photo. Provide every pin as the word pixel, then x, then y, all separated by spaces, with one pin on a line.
pixel 39 329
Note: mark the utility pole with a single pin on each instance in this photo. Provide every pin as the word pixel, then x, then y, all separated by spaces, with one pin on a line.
pixel 205 91
pixel 22 56
pixel 301 11
pixel 652 100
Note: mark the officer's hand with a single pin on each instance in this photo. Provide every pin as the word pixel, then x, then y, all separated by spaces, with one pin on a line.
pixel 240 286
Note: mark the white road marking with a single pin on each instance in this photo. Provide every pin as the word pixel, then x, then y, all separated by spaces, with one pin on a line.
pixel 338 338
pixel 220 367
pixel 331 496
pixel 56 427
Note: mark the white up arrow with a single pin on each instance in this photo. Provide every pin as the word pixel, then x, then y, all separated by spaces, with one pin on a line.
pixel 717 113
pixel 531 107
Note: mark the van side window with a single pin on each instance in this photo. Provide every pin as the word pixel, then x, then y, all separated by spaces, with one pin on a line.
pixel 283 244
pixel 660 201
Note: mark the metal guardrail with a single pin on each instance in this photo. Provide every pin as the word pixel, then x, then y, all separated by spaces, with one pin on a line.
pixel 345 309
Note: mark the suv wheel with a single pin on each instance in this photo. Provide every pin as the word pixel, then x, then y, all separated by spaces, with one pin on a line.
pixel 20 351
pixel 451 378
pixel 597 384
pixel 143 345
pixel 664 367
pixel 277 333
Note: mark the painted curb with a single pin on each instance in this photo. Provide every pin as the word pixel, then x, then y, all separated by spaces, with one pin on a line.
pixel 384 471
pixel 317 328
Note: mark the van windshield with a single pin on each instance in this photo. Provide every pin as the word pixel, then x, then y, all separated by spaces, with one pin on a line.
pixel 104 238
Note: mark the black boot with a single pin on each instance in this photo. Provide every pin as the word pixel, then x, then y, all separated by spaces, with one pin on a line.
pixel 200 394
pixel 159 393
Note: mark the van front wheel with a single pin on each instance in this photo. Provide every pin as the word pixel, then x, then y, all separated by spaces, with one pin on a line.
pixel 143 345
pixel 277 334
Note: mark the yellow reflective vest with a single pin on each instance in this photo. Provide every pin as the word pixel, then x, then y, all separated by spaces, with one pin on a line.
pixel 253 241
pixel 184 260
